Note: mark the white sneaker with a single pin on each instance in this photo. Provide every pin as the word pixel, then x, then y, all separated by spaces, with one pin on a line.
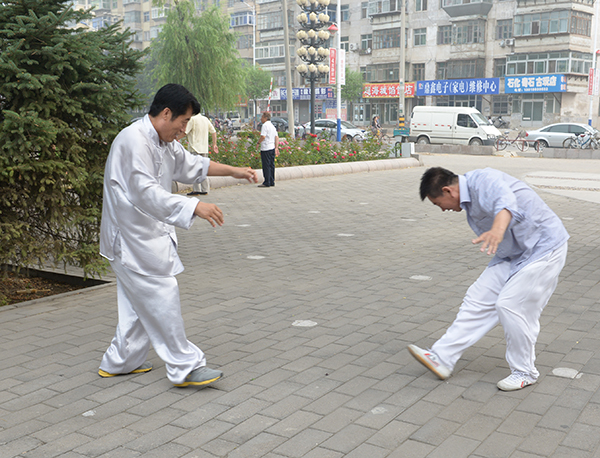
pixel 515 381
pixel 430 361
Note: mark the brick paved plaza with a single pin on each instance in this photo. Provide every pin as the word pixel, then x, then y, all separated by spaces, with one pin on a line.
pixel 369 268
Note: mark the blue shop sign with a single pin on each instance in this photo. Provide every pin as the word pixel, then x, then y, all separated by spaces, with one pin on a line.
pixel 537 83
pixel 474 86
pixel 303 93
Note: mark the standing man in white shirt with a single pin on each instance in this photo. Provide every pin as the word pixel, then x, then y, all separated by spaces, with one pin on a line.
pixel 197 132
pixel 137 236
pixel 269 149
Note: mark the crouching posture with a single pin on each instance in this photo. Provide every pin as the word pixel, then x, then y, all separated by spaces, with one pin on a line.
pixel 529 244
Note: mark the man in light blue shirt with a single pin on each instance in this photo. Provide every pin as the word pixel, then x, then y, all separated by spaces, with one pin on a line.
pixel 529 244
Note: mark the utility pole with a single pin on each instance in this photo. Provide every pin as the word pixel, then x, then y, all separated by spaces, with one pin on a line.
pixel 401 111
pixel 288 71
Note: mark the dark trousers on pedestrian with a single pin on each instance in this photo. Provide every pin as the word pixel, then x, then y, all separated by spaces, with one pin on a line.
pixel 268 166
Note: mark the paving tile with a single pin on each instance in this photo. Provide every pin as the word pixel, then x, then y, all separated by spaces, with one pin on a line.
pixel 346 387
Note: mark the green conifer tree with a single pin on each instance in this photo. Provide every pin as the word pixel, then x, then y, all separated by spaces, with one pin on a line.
pixel 64 93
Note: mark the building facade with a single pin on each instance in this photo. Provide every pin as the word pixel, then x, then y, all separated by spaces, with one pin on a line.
pixel 526 60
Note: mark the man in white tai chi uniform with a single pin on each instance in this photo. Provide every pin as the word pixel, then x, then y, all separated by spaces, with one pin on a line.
pixel 137 236
pixel 530 246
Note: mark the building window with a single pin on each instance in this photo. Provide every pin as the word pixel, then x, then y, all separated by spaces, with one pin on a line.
pixel 345 12
pixel 500 104
pixel 444 36
pixel 278 78
pixel 269 21
pixel 366 41
pixel 241 19
pixel 418 72
pixel 364 10
pixel 147 36
pixel 158 13
pixel 460 69
pixel 553 102
pixel 504 29
pixel 499 68
pixel 553 62
pixel 420 37
pixel 469 32
pixel 384 39
pixel 131 17
pixel 146 16
pixel 270 50
pixel 420 5
pixel 244 42
pixel 552 22
pixel 440 71
pixel 384 6
pixel 381 73
pixel 581 23
pixel 345 43
pixel 154 31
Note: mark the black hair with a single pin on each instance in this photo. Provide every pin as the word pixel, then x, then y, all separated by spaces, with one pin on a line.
pixel 434 179
pixel 176 98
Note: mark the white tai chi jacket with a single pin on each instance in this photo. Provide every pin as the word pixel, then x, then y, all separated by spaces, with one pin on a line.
pixel 139 208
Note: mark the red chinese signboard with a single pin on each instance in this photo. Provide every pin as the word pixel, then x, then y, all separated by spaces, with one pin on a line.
pixel 387 90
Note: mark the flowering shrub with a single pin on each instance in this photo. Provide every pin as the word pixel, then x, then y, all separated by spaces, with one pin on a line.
pixel 243 150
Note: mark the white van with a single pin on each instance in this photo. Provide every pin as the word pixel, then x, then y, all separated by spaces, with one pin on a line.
pixel 451 125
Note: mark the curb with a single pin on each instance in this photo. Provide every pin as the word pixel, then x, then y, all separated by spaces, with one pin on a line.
pixel 318 170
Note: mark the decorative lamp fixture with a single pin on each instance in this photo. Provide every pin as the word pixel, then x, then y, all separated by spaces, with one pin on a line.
pixel 313 37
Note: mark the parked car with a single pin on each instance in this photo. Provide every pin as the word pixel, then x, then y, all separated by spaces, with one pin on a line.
pixel 555 134
pixel 349 131
pixel 281 124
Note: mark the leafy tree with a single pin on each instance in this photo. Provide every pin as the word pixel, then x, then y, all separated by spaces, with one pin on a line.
pixel 353 88
pixel 64 93
pixel 199 53
pixel 258 83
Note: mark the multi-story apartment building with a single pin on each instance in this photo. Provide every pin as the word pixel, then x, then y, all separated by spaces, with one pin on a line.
pixel 527 60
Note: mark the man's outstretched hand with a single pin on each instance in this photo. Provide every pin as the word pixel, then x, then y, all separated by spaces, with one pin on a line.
pixel 209 212
pixel 247 173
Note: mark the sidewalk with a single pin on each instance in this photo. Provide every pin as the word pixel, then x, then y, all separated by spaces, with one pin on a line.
pixel 306 299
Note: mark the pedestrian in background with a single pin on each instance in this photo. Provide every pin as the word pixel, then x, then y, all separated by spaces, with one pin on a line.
pixel 198 130
pixel 269 149
pixel 529 244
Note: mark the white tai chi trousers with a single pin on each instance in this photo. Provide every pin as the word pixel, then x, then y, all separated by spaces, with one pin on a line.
pixel 516 302
pixel 149 313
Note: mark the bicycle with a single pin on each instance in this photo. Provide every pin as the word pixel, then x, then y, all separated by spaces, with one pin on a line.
pixel 582 141
pixel 381 136
pixel 519 141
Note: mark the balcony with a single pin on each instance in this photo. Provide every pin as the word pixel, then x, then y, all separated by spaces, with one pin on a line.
pixel 458 8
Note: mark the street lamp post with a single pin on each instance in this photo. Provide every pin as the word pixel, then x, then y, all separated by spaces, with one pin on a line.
pixel 253 8
pixel 312 20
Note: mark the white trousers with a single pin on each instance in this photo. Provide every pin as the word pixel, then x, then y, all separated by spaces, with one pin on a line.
pixel 516 302
pixel 149 313
pixel 204 186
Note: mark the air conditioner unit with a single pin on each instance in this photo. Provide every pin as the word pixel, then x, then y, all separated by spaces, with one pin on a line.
pixel 510 42
pixel 353 46
pixel 502 44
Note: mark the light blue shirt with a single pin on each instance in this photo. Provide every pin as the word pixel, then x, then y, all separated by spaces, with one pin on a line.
pixel 534 231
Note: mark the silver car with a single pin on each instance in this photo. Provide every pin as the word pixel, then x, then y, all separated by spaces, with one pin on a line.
pixel 555 134
pixel 348 130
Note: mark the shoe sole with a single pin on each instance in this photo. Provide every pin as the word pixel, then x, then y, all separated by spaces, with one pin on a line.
pixel 425 362
pixel 513 388
pixel 105 374
pixel 205 382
